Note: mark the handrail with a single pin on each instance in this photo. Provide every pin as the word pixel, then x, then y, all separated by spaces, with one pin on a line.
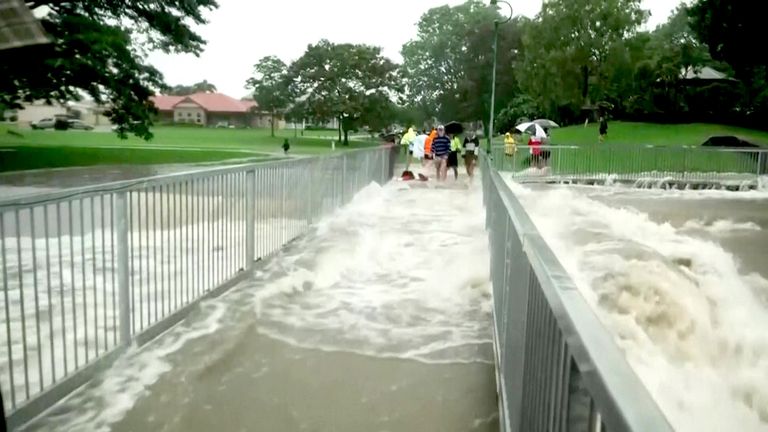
pixel 86 272
pixel 616 396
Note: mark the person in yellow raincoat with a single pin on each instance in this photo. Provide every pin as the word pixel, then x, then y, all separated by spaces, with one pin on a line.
pixel 405 144
pixel 510 146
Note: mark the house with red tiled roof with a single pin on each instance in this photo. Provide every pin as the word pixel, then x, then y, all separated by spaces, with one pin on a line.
pixel 211 109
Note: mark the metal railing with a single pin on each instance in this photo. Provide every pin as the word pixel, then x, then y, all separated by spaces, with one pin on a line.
pixel 633 163
pixel 558 368
pixel 86 272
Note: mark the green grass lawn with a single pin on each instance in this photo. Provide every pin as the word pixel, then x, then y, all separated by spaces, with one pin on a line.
pixel 628 149
pixel 653 134
pixel 29 149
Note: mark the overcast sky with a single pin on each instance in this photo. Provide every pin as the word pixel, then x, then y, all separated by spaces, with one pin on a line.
pixel 240 32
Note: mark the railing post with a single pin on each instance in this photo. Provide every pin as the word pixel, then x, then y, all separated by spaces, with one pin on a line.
pixel 123 282
pixel 343 179
pixel 250 217
pixel 759 165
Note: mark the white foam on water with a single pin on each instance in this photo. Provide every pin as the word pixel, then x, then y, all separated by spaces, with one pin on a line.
pixel 720 226
pixel 691 324
pixel 399 272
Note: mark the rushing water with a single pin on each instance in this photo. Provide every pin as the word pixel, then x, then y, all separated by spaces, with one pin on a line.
pixel 379 319
pixel 679 278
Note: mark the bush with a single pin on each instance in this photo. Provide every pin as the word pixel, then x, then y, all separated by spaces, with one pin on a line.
pixel 318 128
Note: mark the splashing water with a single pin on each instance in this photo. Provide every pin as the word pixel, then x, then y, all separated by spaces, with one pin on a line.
pixel 691 323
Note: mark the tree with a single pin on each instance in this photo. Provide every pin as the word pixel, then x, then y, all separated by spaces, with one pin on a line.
pixel 566 47
pixel 98 47
pixel 447 68
pixel 731 30
pixel 270 86
pixel 200 87
pixel 340 80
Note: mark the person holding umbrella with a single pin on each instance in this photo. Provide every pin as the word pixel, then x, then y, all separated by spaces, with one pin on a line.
pixel 537 136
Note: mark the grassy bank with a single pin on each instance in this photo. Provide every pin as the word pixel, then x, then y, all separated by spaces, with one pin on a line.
pixel 624 133
pixel 627 150
pixel 29 149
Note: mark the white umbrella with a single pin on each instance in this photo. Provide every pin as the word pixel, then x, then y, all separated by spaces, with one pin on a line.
pixel 533 129
pixel 546 123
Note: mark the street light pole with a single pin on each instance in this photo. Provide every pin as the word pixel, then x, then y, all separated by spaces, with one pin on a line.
pixel 496 23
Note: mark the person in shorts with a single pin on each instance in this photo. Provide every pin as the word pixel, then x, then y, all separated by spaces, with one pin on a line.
pixel 471 149
pixel 453 156
pixel 441 148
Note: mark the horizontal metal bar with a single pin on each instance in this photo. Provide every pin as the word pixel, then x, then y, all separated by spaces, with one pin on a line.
pixel 622 400
pixel 52 197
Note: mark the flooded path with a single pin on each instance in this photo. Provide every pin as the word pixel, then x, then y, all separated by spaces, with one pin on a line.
pixel 379 319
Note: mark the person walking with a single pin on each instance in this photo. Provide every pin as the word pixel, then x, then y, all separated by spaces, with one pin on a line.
pixel 603 127
pixel 405 141
pixel 428 146
pixel 416 149
pixel 286 147
pixel 471 148
pixel 441 148
pixel 453 156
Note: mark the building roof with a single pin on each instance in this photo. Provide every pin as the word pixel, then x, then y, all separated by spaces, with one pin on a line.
pixel 18 26
pixel 705 73
pixel 212 102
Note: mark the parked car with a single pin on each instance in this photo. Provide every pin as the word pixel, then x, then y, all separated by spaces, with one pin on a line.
pixel 50 123
pixel 46 123
pixel 79 125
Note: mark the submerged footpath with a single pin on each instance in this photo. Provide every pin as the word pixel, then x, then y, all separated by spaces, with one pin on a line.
pixel 379 319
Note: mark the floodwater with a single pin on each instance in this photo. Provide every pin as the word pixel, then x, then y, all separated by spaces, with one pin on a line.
pixel 681 280
pixel 36 181
pixel 379 319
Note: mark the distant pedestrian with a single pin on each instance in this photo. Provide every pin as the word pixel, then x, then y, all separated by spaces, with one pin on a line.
pixel 603 127
pixel 286 147
pixel 441 148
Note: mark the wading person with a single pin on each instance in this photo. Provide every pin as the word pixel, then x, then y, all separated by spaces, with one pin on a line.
pixel 471 148
pixel 441 148
pixel 428 147
pixel 453 156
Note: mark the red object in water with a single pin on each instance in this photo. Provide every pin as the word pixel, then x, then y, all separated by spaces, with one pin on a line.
pixel 407 175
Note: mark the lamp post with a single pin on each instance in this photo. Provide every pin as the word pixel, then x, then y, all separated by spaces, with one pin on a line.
pixel 496 23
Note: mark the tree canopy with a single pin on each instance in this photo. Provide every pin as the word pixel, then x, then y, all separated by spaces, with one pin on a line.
pixel 343 81
pixel 184 90
pixel 98 48
pixel 446 68
pixel 270 85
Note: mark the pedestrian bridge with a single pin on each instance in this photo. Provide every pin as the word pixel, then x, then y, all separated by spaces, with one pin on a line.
pixel 310 294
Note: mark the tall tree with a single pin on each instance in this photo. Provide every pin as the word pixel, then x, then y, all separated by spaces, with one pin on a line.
pixel 98 47
pixel 567 45
pixel 270 85
pixel 732 29
pixel 340 80
pixel 447 67
pixel 185 90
